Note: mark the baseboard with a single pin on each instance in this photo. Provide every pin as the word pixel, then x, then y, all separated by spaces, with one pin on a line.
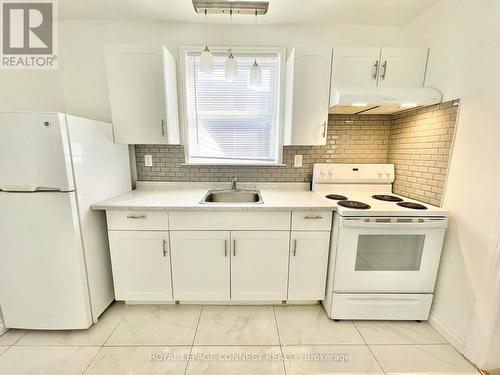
pixel 452 336
pixel 2 327
pixel 221 303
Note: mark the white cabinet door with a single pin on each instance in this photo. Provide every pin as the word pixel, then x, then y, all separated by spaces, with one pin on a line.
pixel 259 265
pixel 143 94
pixel 201 265
pixel 355 67
pixel 308 265
pixel 307 97
pixel 402 67
pixel 141 265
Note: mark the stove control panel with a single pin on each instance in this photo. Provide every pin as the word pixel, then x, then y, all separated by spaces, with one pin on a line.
pixel 353 174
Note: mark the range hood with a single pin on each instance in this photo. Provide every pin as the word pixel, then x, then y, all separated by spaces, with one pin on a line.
pixel 381 101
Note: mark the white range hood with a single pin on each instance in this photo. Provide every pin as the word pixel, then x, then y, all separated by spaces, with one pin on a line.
pixel 381 101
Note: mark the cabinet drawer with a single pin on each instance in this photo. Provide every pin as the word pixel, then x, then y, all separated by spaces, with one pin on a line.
pixel 311 220
pixel 229 220
pixel 137 220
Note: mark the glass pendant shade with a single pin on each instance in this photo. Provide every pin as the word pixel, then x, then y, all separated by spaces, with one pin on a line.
pixel 255 77
pixel 206 61
pixel 231 68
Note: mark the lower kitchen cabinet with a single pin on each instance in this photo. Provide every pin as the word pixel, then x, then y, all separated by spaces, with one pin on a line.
pixel 308 265
pixel 141 265
pixel 259 265
pixel 268 256
pixel 201 265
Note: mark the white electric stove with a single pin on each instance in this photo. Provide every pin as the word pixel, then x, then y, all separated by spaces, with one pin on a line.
pixel 385 248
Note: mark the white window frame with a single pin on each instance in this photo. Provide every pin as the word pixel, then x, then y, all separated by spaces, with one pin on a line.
pixel 183 51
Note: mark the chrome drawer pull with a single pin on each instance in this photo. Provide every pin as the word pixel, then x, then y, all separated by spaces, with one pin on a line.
pixel 384 70
pixel 317 217
pixel 375 74
pixel 225 248
pixel 162 127
pixel 136 217
pixel 164 248
pixel 294 247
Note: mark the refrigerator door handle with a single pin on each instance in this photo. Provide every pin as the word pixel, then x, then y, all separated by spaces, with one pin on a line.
pixel 30 188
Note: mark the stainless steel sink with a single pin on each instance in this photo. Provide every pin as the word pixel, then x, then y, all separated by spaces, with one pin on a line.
pixel 232 196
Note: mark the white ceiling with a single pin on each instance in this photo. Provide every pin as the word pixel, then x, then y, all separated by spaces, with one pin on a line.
pixel 360 12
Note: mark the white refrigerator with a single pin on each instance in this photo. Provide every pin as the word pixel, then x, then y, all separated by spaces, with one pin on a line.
pixel 55 269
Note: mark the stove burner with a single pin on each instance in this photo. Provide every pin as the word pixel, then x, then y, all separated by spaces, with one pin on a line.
pixel 354 204
pixel 415 206
pixel 388 198
pixel 336 197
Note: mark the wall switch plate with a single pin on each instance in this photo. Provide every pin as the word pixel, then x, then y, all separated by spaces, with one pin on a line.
pixel 297 161
pixel 148 160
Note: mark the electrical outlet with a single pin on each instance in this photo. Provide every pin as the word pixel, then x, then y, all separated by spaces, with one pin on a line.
pixel 148 160
pixel 297 161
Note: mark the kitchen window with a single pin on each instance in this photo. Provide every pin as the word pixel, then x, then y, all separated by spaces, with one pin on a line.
pixel 228 122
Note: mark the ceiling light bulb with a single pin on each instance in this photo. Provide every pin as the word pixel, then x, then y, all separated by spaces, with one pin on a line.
pixel 255 77
pixel 359 104
pixel 408 105
pixel 231 67
pixel 206 61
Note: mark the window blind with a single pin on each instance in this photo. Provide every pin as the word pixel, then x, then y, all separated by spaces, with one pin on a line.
pixel 228 121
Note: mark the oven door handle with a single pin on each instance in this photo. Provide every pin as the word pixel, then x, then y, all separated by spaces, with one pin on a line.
pixel 395 223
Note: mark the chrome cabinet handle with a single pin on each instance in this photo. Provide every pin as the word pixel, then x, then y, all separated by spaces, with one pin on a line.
pixel 384 70
pixel 317 217
pixel 324 129
pixel 225 248
pixel 294 247
pixel 164 248
pixel 375 74
pixel 163 127
pixel 136 217
pixel 234 248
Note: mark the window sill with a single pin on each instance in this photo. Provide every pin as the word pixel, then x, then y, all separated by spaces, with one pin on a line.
pixel 235 164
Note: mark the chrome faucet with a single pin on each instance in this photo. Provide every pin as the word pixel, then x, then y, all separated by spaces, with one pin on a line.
pixel 234 180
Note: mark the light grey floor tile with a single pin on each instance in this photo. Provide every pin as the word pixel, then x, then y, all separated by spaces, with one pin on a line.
pixel 350 359
pixel 421 359
pixel 96 335
pixel 156 325
pixel 11 336
pixel 237 325
pixel 230 360
pixel 309 325
pixel 46 360
pixel 142 360
pixel 385 332
pixel 3 349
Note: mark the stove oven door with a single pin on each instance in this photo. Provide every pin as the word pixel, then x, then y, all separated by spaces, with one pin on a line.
pixel 390 255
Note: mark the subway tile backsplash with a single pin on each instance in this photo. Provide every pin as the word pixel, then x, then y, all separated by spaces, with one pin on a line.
pixel 350 139
pixel 419 147
pixel 418 142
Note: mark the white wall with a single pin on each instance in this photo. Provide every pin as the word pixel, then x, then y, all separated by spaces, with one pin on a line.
pixel 464 37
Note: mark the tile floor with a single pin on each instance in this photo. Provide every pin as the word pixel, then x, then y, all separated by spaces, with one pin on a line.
pixel 187 339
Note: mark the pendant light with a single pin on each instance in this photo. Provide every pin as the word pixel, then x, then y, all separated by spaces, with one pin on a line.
pixel 255 76
pixel 231 65
pixel 206 58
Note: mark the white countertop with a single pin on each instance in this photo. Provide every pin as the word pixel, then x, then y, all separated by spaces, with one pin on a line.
pixel 190 200
pixel 276 196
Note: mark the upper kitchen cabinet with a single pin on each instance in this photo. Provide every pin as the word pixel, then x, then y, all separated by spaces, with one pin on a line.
pixel 355 67
pixel 142 84
pixel 307 93
pixel 402 67
pixel 374 67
